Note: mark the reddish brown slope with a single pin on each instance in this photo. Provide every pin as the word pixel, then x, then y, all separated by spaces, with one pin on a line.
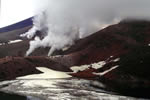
pixel 127 41
pixel 12 67
pixel 114 41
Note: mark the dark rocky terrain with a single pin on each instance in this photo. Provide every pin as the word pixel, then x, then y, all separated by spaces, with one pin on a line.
pixel 12 32
pixel 126 41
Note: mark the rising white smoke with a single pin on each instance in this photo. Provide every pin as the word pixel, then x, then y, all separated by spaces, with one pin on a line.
pixel 64 21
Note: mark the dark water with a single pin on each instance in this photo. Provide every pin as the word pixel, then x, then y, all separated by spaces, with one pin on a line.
pixel 8 96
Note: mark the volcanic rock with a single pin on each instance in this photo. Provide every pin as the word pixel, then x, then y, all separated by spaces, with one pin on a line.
pixel 12 67
pixel 128 41
pixel 124 47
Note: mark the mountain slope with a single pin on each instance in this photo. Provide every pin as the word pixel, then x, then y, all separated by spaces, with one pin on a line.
pixel 127 41
pixel 124 50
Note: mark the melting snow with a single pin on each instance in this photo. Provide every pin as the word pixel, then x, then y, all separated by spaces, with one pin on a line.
pixel 47 73
pixel 117 59
pixel 64 89
pixel 2 44
pixel 11 42
pixel 76 69
pixel 14 41
pixel 42 79
pixel 65 48
pixel 111 56
pixel 37 83
pixel 105 72
pixel 98 65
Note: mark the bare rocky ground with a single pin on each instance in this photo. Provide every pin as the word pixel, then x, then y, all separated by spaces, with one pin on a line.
pixel 123 47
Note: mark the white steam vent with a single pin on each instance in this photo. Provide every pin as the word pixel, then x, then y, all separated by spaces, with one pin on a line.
pixel 64 21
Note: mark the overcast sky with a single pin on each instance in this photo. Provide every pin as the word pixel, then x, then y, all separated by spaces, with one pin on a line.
pixel 13 11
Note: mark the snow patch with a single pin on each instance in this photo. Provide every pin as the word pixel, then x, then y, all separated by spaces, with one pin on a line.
pixel 14 41
pixel 41 80
pixel 65 48
pixel 105 72
pixel 47 73
pixel 76 69
pixel 111 56
pixel 2 44
pixel 98 65
pixel 116 60
pixel 37 83
pixel 11 42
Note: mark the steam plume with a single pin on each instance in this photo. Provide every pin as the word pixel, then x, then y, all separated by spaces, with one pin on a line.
pixel 64 21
